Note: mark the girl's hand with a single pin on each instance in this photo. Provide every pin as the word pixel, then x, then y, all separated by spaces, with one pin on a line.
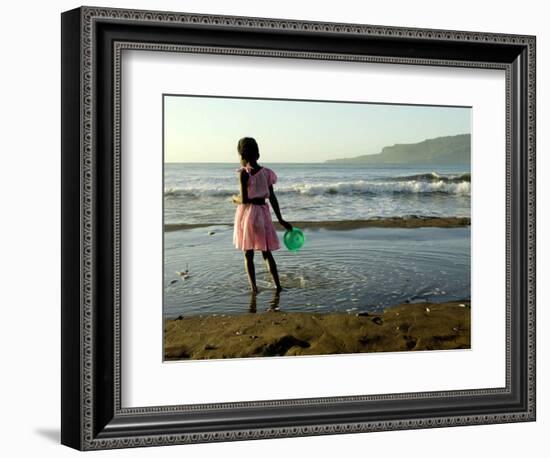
pixel 286 225
pixel 236 199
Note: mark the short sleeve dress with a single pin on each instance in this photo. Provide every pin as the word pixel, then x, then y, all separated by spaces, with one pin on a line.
pixel 254 229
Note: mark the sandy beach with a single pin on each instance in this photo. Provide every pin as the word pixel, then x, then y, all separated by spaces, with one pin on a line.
pixel 404 327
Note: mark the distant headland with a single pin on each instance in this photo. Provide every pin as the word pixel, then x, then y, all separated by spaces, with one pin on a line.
pixel 453 149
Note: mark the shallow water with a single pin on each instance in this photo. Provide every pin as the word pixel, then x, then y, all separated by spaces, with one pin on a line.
pixel 336 271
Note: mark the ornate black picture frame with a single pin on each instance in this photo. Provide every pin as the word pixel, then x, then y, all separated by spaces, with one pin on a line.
pixel 92 41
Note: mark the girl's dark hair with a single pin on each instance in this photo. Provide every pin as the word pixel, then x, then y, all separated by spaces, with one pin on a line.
pixel 248 149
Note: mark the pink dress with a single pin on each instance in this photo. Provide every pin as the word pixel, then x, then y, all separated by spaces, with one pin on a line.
pixel 254 229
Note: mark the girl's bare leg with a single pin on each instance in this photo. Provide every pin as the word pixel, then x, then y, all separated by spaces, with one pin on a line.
pixel 249 266
pixel 272 268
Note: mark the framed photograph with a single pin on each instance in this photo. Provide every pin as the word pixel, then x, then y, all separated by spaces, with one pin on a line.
pixel 278 228
pixel 363 281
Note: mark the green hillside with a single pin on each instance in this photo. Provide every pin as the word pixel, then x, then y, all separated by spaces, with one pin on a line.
pixel 442 150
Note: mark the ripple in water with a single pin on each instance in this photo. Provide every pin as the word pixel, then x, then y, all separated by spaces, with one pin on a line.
pixel 337 271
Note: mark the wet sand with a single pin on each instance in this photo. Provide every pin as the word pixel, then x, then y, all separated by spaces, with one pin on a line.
pixel 404 327
pixel 344 225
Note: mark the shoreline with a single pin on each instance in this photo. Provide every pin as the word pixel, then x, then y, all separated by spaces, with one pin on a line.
pixel 403 327
pixel 388 222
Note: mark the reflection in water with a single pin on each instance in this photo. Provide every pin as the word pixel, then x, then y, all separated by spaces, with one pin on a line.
pixel 274 302
pixel 253 302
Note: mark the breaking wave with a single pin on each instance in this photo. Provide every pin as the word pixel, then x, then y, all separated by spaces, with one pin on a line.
pixel 414 184
pixel 434 177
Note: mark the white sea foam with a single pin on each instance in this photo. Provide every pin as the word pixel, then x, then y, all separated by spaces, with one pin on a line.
pixel 341 187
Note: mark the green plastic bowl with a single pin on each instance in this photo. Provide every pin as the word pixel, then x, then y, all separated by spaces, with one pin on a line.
pixel 294 239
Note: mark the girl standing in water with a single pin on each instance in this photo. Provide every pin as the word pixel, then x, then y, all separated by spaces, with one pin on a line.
pixel 254 229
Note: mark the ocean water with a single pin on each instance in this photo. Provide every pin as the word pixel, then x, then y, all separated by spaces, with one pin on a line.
pixel 201 193
pixel 354 270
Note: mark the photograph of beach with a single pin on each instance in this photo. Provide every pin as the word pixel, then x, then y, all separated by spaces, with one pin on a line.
pixel 381 194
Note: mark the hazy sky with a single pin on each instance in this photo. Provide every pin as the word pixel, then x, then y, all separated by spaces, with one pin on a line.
pixel 206 129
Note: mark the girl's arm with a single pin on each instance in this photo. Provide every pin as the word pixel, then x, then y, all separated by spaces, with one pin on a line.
pixel 275 205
